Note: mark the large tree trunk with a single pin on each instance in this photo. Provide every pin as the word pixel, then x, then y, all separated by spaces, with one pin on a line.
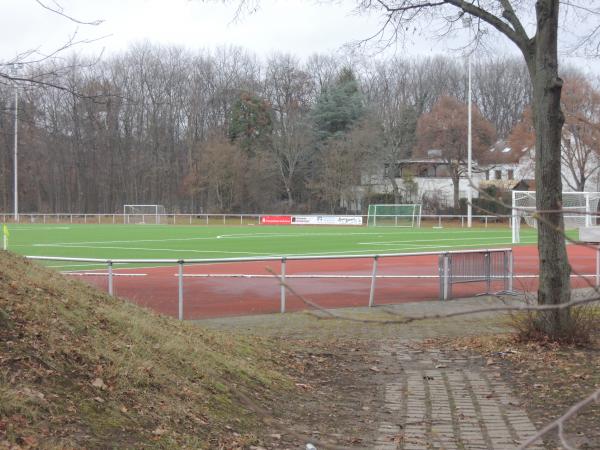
pixel 395 188
pixel 554 287
pixel 456 186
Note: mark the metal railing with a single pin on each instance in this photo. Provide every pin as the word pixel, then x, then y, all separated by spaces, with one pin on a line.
pixel 446 276
pixel 475 266
pixel 437 220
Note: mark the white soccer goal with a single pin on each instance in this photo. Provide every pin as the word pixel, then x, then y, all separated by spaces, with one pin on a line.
pixel 147 214
pixel 580 209
pixel 408 215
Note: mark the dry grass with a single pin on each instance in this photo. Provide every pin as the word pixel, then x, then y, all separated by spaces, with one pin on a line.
pixel 79 368
pixel 532 326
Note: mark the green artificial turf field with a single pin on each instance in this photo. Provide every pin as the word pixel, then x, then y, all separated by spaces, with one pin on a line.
pixel 197 242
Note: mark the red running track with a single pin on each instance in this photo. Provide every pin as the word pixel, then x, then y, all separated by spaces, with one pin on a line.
pixel 218 297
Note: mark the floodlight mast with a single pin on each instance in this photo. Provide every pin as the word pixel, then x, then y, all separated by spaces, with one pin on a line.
pixel 467 23
pixel 14 72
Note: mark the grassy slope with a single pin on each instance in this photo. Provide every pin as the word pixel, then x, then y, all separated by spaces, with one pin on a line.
pixel 78 368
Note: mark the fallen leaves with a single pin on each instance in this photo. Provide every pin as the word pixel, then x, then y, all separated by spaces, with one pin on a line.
pixel 160 430
pixel 99 383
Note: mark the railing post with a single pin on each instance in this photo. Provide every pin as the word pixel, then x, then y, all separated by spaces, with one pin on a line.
pixel 510 270
pixel 110 278
pixel 486 220
pixel 488 271
pixel 598 266
pixel 282 286
pixel 373 279
pixel 180 285
pixel 443 270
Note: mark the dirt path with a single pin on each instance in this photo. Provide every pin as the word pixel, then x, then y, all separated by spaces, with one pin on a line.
pixel 372 386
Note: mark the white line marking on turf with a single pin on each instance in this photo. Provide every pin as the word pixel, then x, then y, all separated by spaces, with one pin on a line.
pixel 258 235
pixel 437 240
pixel 76 265
pixel 41 228
pixel 146 249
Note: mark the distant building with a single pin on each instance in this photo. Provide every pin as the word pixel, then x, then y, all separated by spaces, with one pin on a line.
pixel 428 181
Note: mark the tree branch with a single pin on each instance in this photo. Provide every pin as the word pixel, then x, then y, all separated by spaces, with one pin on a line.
pixel 560 422
pixel 510 15
pixel 59 10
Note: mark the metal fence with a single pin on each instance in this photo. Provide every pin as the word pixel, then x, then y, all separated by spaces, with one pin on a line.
pixel 475 266
pixel 437 220
pixel 498 267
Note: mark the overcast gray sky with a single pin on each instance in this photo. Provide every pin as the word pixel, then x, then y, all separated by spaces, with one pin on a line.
pixel 300 27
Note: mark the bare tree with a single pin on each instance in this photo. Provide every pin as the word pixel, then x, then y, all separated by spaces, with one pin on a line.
pixel 501 90
pixel 289 89
pixel 580 134
pixel 443 129
pixel 540 52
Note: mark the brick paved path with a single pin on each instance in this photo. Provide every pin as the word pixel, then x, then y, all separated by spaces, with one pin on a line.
pixel 440 403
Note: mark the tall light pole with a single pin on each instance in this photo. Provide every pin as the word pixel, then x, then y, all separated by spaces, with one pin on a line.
pixel 15 71
pixel 467 23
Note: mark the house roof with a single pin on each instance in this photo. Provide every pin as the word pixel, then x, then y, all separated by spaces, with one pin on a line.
pixel 525 185
pixel 502 153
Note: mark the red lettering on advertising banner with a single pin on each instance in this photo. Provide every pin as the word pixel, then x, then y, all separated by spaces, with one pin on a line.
pixel 276 220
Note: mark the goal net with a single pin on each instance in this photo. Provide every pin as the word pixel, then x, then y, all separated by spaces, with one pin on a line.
pixel 147 214
pixel 580 209
pixel 408 215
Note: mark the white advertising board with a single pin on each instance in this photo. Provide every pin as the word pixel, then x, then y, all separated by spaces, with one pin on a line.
pixel 327 220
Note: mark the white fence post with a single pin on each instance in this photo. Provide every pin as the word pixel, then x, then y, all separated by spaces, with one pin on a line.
pixel 598 266
pixel 180 285
pixel 510 270
pixel 373 279
pixel 444 281
pixel 110 278
pixel 282 287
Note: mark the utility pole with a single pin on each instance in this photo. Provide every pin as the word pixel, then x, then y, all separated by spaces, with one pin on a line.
pixel 467 24
pixel 14 72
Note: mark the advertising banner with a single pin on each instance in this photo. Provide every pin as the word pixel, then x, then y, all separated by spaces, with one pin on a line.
pixel 276 220
pixel 327 220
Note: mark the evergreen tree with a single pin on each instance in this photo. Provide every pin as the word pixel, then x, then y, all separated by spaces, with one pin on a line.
pixel 251 124
pixel 339 106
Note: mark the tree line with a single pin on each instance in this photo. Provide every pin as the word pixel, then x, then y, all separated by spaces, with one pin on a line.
pixel 224 131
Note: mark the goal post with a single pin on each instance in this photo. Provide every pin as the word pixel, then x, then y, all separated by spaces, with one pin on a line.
pixel 580 209
pixel 394 215
pixel 143 214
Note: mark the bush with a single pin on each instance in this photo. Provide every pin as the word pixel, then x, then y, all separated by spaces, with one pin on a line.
pixel 582 324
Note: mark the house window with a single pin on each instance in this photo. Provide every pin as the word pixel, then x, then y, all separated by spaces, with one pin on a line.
pixel 511 174
pixel 497 174
pixel 487 174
